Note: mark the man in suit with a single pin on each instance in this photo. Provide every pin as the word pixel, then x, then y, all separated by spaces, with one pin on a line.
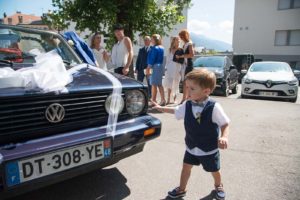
pixel 141 62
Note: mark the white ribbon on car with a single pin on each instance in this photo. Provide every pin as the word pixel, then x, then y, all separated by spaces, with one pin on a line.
pixel 116 96
pixel 48 74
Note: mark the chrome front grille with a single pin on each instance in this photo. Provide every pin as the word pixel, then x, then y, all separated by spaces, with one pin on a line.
pixel 24 117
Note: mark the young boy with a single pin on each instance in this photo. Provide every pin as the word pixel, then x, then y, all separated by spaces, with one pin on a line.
pixel 203 119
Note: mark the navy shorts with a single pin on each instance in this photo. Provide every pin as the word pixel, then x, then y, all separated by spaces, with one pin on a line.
pixel 210 163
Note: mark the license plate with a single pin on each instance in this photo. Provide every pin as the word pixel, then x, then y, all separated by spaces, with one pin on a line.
pixel 36 167
pixel 268 93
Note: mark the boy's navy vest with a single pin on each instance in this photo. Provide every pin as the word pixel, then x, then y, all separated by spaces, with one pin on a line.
pixel 204 135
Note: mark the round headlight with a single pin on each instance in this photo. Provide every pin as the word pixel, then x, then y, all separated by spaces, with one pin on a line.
pixel 114 104
pixel 135 102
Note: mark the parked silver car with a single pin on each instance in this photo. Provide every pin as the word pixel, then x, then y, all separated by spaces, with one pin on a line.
pixel 270 80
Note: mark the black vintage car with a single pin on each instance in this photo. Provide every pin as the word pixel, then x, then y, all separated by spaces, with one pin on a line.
pixel 226 73
pixel 60 117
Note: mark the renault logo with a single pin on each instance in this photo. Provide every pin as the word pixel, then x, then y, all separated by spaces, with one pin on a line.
pixel 55 113
pixel 269 83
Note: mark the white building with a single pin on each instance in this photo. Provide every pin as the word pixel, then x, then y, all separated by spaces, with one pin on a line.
pixel 270 29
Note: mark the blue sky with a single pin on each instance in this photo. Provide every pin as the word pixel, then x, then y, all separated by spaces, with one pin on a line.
pixel 36 7
pixel 212 18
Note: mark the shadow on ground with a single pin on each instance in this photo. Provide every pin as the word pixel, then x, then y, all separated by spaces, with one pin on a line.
pixel 105 184
pixel 210 196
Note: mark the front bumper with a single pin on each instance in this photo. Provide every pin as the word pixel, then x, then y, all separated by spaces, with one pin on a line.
pixel 280 91
pixel 128 140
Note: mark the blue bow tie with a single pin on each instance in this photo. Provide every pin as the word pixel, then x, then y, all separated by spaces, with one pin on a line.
pixel 200 104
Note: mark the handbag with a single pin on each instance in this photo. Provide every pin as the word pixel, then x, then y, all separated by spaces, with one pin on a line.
pixel 178 52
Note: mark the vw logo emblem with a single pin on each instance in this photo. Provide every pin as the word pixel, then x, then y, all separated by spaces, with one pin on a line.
pixel 55 113
pixel 269 83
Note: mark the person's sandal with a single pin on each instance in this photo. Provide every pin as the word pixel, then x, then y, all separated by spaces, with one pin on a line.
pixel 168 102
pixel 163 103
pixel 220 193
pixel 150 104
pixel 176 193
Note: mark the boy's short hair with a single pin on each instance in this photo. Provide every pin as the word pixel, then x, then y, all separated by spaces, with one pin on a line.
pixel 203 77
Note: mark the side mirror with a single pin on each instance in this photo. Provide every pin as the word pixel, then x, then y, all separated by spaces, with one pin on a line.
pixel 244 71
pixel 232 67
pixel 296 72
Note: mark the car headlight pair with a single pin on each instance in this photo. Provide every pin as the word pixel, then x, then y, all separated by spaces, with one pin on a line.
pixel 135 103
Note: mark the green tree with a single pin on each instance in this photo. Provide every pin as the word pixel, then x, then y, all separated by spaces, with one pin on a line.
pixel 144 16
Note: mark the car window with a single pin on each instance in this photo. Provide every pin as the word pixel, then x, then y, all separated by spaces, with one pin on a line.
pixel 210 62
pixel 22 46
pixel 270 67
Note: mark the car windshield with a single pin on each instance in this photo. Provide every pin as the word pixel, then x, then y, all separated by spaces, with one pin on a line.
pixel 270 67
pixel 20 46
pixel 210 62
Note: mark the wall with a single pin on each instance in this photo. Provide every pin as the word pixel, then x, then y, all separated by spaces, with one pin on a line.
pixel 255 23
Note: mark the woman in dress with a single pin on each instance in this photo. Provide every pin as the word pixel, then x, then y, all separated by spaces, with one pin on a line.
pixel 188 58
pixel 155 60
pixel 173 68
pixel 100 53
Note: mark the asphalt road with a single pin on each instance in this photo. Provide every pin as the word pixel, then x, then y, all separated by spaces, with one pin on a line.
pixel 262 162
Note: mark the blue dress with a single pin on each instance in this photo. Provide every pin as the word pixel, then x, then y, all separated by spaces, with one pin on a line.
pixel 155 60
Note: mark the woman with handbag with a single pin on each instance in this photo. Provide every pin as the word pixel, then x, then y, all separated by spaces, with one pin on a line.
pixel 188 58
pixel 173 68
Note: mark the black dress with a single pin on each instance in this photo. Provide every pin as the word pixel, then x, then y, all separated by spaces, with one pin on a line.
pixel 189 64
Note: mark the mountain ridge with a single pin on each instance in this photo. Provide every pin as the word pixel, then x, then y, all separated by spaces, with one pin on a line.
pixel 209 43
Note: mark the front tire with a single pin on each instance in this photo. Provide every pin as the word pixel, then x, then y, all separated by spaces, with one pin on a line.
pixel 293 100
pixel 243 96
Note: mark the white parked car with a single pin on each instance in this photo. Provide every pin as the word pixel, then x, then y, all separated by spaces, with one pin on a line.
pixel 271 80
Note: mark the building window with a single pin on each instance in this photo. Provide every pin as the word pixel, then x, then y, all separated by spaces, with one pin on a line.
pixel 9 20
pixel 287 38
pixel 294 37
pixel 288 4
pixel 20 19
pixel 296 4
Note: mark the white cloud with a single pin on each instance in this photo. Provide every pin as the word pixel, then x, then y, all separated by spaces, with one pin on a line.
pixel 198 26
pixel 226 25
pixel 221 30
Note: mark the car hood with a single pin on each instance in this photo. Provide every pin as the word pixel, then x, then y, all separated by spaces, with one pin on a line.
pixel 274 76
pixel 85 79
